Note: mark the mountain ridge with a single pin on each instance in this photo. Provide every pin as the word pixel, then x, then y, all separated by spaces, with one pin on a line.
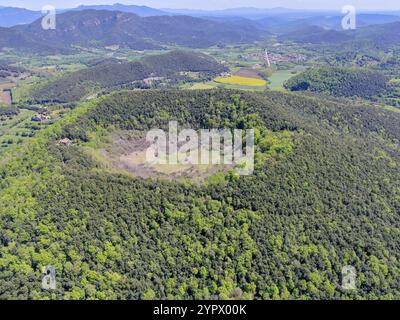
pixel 107 28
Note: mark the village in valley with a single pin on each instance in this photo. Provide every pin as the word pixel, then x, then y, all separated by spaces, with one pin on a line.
pixel 256 68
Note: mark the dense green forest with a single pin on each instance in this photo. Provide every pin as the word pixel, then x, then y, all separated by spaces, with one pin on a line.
pixel 77 193
pixel 345 82
pixel 329 198
pixel 111 74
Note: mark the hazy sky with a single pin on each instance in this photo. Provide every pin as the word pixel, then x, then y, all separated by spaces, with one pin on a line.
pixel 215 4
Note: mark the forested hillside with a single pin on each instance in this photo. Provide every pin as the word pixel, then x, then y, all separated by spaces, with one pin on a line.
pixel 325 194
pixel 316 35
pixel 345 82
pixel 383 36
pixel 111 74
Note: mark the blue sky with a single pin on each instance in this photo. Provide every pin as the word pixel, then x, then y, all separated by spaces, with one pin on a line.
pixel 215 4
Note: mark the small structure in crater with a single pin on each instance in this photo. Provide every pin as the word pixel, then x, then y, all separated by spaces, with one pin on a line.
pixel 65 142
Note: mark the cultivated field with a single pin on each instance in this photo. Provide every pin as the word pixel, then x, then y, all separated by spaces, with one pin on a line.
pixel 241 81
pixel 248 73
pixel 278 78
pixel 16 129
pixel 5 94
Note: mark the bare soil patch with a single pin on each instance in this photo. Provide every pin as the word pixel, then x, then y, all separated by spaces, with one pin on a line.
pixel 127 152
pixel 248 73
pixel 5 94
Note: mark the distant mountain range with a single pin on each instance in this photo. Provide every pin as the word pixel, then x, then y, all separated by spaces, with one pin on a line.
pixel 91 28
pixel 153 30
pixel 274 17
pixel 283 24
pixel 245 12
pixel 10 17
pixel 315 35
pixel 142 11
pixel 383 36
pixel 14 16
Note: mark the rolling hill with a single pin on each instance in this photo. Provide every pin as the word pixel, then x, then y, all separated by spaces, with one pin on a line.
pixel 315 35
pixel 342 82
pixel 383 35
pixel 112 73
